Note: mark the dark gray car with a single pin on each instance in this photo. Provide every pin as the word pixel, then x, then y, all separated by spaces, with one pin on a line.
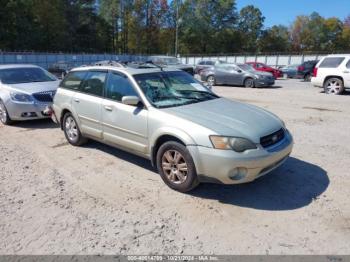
pixel 237 75
pixel 171 62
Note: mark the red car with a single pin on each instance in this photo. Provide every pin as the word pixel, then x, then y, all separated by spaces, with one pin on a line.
pixel 264 68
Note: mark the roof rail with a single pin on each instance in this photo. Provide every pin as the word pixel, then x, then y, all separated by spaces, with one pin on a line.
pixel 109 63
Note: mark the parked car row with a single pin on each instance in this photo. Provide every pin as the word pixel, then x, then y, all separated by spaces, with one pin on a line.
pixel 189 133
pixel 303 71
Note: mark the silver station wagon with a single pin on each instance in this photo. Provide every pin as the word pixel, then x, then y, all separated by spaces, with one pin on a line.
pixel 190 134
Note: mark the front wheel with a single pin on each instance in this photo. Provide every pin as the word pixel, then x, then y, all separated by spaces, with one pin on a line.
pixel 249 82
pixel 72 131
pixel 4 116
pixel 334 86
pixel 211 80
pixel 176 166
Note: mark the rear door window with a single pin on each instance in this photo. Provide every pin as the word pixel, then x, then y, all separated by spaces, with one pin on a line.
pixel 94 83
pixel 331 62
pixel 73 80
pixel 348 64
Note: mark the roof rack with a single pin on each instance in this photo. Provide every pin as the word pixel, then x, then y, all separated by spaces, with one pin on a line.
pixel 109 63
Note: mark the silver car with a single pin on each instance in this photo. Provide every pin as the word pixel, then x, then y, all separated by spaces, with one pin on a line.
pixel 25 92
pixel 189 133
pixel 237 75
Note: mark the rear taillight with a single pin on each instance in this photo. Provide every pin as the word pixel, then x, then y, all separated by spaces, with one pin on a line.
pixel 301 68
pixel 315 72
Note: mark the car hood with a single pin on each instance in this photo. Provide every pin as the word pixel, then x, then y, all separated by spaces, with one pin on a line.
pixel 35 87
pixel 230 118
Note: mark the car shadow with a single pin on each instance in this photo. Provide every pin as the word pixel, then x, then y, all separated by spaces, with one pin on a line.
pixel 123 155
pixel 293 185
pixel 35 124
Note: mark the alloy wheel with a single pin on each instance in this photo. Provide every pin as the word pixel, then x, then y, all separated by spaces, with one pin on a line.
pixel 71 128
pixel 334 86
pixel 249 83
pixel 174 166
pixel 211 80
pixel 3 113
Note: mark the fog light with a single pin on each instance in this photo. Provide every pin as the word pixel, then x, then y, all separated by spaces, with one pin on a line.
pixel 29 114
pixel 238 173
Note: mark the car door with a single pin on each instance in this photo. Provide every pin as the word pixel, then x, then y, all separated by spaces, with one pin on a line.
pixel 220 74
pixel 123 125
pixel 234 75
pixel 87 103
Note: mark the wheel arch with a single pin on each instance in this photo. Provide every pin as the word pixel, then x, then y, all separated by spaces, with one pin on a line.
pixel 162 137
pixel 63 112
pixel 333 76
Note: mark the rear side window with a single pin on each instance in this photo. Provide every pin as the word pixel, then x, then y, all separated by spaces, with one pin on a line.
pixel 94 83
pixel 331 62
pixel 348 64
pixel 73 80
pixel 118 85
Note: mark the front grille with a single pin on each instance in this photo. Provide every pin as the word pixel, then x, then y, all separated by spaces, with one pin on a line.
pixel 44 96
pixel 272 139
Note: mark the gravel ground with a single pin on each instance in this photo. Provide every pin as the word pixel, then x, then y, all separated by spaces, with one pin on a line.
pixel 58 199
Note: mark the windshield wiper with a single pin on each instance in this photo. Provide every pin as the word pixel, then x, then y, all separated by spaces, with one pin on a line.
pixel 199 92
pixel 179 97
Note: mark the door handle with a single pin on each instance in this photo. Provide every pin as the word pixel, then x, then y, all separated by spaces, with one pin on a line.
pixel 346 72
pixel 76 100
pixel 108 108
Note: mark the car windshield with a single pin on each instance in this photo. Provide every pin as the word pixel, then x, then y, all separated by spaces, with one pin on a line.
pixel 25 75
pixel 168 60
pixel 246 67
pixel 170 89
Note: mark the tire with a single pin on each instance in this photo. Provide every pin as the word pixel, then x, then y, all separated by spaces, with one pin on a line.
pixel 176 167
pixel 333 86
pixel 72 131
pixel 307 77
pixel 4 116
pixel 249 82
pixel 211 80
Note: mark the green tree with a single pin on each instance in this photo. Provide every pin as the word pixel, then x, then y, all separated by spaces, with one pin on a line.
pixel 275 39
pixel 251 22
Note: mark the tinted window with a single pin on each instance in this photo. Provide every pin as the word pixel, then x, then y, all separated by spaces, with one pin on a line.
pixel 332 62
pixel 201 63
pixel 210 63
pixel 348 64
pixel 118 86
pixel 25 75
pixel 94 83
pixel 73 80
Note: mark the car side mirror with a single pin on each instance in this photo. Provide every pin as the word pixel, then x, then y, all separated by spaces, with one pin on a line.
pixel 239 71
pixel 131 100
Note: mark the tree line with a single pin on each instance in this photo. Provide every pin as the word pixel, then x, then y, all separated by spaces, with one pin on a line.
pixel 152 27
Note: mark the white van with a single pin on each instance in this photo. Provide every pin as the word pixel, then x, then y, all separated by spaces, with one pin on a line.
pixel 333 74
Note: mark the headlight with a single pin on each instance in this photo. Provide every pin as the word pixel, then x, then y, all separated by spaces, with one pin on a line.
pixel 237 144
pixel 259 76
pixel 20 97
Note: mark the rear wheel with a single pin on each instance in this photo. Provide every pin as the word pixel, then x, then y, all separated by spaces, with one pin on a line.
pixel 307 77
pixel 4 116
pixel 176 166
pixel 72 131
pixel 333 86
pixel 211 80
pixel 249 82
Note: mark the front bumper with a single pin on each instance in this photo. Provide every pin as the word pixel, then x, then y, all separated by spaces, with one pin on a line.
pixel 23 111
pixel 264 82
pixel 229 167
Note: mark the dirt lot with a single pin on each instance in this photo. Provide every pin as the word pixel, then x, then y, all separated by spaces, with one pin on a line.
pixel 57 199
